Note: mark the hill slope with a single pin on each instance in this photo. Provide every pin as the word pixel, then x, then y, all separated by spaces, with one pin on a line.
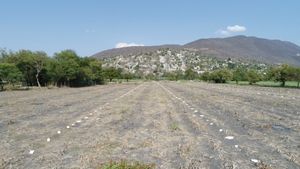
pixel 264 50
pixel 202 55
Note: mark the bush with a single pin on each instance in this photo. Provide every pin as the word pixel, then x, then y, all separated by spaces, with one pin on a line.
pixel 221 76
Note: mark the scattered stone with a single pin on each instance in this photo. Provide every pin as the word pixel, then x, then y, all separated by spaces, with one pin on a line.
pixel 220 130
pixel 68 127
pixel 229 137
pixel 48 139
pixel 236 146
pixel 58 132
pixel 255 160
pixel 31 151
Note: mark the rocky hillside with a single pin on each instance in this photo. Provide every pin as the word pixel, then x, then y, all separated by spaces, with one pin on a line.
pixel 202 55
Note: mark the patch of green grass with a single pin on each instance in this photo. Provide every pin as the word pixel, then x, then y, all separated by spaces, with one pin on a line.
pixel 123 164
pixel 292 84
pixel 174 126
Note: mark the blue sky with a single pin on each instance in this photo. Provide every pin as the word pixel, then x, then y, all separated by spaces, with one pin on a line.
pixel 90 26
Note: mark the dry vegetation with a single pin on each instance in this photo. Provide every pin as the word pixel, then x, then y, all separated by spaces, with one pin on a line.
pixel 159 124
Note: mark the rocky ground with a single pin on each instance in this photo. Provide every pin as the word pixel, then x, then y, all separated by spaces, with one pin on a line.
pixel 170 124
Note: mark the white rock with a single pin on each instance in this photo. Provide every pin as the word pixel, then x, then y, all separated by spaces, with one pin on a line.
pixel 78 121
pixel 211 124
pixel 255 160
pixel 48 139
pixel 58 132
pixel 229 137
pixel 31 151
pixel 207 120
pixel 86 117
pixel 201 115
pixel 196 111
pixel 220 130
pixel 91 114
pixel 236 146
pixel 73 124
pixel 68 127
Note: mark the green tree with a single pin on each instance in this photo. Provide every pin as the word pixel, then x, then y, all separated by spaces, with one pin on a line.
pixel 190 74
pixel 296 75
pixel 111 73
pixel 221 76
pixel 10 73
pixel 253 76
pixel 205 76
pixel 238 74
pixel 127 76
pixel 68 65
pixel 281 73
pixel 39 60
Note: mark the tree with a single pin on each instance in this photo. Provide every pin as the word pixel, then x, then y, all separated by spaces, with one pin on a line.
pixel 281 73
pixel 238 74
pixel 190 74
pixel 253 76
pixel 39 62
pixel 10 73
pixel 68 65
pixel 296 75
pixel 127 76
pixel 111 73
pixel 205 76
pixel 221 76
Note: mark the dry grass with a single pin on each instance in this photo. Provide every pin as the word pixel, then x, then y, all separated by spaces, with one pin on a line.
pixel 123 164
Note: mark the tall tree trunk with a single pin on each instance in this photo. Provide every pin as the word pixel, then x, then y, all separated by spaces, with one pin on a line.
pixel 37 80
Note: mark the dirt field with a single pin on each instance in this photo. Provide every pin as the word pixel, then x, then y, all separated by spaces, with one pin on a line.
pixel 170 124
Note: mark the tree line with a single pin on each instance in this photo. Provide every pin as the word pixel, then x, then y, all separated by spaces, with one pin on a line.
pixel 65 68
pixel 280 73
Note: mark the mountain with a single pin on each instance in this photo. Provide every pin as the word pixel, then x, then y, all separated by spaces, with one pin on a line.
pixel 202 55
pixel 251 48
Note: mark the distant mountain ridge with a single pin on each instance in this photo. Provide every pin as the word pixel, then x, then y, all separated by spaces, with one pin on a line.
pixel 243 47
pixel 240 47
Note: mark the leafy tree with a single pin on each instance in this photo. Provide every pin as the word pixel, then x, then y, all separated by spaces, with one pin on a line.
pixel 221 75
pixel 296 75
pixel 39 63
pixel 253 76
pixel 10 73
pixel 68 65
pixel 238 74
pixel 205 76
pixel 190 74
pixel 111 73
pixel 281 73
pixel 127 76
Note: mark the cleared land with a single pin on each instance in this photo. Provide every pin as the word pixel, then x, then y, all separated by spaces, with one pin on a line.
pixel 170 124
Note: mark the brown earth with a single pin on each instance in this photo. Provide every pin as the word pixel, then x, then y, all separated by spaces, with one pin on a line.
pixel 170 124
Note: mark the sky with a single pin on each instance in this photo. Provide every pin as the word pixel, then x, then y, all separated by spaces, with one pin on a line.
pixel 90 26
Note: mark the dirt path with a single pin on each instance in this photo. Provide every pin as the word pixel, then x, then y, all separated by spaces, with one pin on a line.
pixel 174 125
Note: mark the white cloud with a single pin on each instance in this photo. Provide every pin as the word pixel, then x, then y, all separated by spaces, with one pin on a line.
pixel 123 45
pixel 236 28
pixel 231 30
